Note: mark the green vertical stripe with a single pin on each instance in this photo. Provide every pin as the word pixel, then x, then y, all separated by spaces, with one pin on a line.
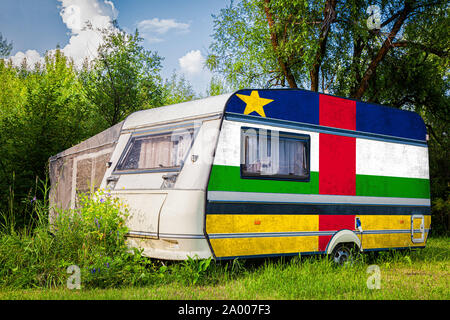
pixel 379 186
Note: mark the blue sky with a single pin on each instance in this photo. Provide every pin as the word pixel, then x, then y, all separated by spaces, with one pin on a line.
pixel 179 30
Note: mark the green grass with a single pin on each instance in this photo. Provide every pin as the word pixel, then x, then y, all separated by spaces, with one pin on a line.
pixel 34 261
pixel 418 274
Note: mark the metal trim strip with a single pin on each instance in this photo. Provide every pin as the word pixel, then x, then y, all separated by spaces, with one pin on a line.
pixel 236 196
pixel 301 233
pixel 322 129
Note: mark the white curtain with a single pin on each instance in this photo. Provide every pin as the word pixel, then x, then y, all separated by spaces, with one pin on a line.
pixel 155 153
pixel 181 144
pixel 291 157
pixel 251 154
pixel 164 151
pixel 274 155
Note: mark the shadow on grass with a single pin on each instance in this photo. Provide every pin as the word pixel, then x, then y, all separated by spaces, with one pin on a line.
pixel 436 250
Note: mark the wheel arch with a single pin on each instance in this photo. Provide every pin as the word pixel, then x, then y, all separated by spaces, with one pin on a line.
pixel 343 236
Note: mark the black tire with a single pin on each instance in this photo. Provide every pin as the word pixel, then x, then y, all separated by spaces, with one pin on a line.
pixel 343 254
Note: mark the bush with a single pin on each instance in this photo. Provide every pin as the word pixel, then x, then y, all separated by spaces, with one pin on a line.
pixel 91 237
pixel 440 216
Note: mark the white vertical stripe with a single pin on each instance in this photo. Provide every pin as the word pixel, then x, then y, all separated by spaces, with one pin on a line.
pixel 228 147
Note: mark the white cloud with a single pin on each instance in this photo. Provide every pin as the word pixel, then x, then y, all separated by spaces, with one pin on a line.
pixel 82 43
pixel 162 26
pixel 32 57
pixel 152 29
pixel 192 62
pixel 75 13
pixel 192 67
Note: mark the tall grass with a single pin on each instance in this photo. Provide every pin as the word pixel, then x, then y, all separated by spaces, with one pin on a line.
pixel 92 237
pixel 409 274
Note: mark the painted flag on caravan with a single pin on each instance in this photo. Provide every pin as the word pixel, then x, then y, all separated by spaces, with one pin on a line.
pixel 315 109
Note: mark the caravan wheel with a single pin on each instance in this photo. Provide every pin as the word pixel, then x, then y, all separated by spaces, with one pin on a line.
pixel 342 254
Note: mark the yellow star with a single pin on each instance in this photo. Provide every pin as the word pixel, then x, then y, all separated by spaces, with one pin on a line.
pixel 254 103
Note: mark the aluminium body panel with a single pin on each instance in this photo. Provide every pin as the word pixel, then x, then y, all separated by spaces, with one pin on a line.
pixel 367 162
pixel 167 219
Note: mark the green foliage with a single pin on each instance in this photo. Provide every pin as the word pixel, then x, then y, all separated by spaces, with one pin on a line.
pixel 5 47
pixel 177 89
pixel 49 107
pixel 240 51
pixel 13 91
pixel 42 111
pixel 91 237
pixel 415 77
pixel 123 78
pixel 98 222
pixel 195 268
pixel 440 223
pixel 217 86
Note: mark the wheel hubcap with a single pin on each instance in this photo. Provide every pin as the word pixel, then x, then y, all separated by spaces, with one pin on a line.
pixel 341 256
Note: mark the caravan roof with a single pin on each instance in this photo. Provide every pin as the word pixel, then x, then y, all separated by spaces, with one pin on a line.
pixel 181 111
pixel 299 107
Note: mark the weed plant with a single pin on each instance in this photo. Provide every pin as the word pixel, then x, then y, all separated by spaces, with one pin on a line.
pixel 93 237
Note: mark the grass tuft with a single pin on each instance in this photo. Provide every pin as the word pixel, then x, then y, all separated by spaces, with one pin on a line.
pixel 34 262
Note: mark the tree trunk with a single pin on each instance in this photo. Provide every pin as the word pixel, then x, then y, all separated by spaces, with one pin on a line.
pixel 274 39
pixel 329 15
pixel 387 44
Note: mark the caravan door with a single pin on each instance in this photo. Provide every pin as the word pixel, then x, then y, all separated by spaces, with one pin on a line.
pixel 417 228
pixel 144 210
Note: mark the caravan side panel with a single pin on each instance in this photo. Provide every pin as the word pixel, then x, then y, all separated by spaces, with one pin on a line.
pixel 367 163
pixel 244 217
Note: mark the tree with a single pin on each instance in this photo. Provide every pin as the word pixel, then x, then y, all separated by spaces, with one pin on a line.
pixel 217 86
pixel 5 47
pixel 394 54
pixel 42 113
pixel 123 78
pixel 311 43
pixel 177 89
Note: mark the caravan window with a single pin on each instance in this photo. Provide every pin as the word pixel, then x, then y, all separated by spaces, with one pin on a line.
pixel 271 154
pixel 158 152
